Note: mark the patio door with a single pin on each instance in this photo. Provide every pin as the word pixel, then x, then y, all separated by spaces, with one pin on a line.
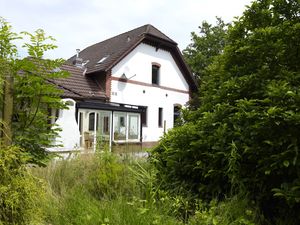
pixel 94 127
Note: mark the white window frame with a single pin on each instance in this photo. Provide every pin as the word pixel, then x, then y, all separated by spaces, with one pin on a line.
pixel 127 115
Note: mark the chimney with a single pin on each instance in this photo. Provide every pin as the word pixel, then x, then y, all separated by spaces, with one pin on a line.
pixel 78 61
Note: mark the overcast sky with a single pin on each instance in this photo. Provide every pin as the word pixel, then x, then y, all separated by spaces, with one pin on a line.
pixel 78 24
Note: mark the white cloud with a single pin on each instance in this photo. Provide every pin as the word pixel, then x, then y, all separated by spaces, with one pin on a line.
pixel 78 24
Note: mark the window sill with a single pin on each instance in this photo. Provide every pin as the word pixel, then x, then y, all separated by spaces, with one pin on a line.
pixel 128 141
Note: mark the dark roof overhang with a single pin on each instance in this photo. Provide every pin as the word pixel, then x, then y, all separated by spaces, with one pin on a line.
pixel 110 106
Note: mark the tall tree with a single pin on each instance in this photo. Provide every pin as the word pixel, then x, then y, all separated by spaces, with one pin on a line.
pixel 205 46
pixel 33 92
pixel 245 135
pixel 35 95
pixel 8 54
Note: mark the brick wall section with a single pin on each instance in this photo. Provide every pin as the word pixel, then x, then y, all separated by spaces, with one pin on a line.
pixel 108 84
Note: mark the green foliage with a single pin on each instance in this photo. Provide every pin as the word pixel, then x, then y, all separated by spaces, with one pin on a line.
pixel 72 200
pixel 110 178
pixel 8 54
pixel 235 211
pixel 35 94
pixel 245 134
pixel 204 47
pixel 81 191
pixel 34 91
pixel 20 192
pixel 203 50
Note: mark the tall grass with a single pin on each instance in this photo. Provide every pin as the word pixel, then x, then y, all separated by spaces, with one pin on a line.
pixel 105 189
pixel 101 189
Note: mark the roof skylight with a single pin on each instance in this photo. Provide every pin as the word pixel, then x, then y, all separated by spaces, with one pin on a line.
pixel 103 59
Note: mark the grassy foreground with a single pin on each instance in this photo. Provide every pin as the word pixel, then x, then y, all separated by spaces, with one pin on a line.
pixel 105 189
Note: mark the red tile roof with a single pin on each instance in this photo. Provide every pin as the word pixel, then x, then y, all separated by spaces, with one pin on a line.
pixel 78 85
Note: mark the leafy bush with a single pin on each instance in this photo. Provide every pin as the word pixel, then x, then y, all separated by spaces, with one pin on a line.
pixel 245 135
pixel 20 192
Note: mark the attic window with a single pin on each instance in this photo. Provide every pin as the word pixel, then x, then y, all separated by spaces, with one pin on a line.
pixel 103 59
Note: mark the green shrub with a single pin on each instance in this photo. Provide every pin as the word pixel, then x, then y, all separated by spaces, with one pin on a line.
pixel 245 134
pixel 20 192
pixel 235 211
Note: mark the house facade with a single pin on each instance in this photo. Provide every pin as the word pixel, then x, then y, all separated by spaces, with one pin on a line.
pixel 126 89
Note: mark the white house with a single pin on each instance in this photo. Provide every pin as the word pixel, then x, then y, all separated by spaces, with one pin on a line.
pixel 128 88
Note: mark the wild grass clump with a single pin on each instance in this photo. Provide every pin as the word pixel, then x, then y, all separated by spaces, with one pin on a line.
pixel 237 210
pixel 20 192
pixel 101 188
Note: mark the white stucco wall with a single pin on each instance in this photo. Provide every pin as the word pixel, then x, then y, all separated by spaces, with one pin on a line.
pixel 69 135
pixel 139 63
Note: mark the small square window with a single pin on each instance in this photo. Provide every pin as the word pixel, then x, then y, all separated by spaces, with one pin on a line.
pixel 155 74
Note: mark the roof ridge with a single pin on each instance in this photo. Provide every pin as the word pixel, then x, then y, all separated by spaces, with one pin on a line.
pixel 148 28
pixel 157 30
pixel 118 35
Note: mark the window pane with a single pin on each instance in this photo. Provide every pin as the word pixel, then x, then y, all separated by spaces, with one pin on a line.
pixel 80 122
pixel 133 132
pixel 155 74
pixel 91 121
pixel 103 123
pixel 144 117
pixel 160 116
pixel 106 125
pixel 119 127
pixel 176 115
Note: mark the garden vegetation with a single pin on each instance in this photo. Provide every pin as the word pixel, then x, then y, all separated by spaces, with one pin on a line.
pixel 244 136
pixel 233 160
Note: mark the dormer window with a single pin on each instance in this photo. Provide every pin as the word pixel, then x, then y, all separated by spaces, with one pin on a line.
pixel 155 73
pixel 102 59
